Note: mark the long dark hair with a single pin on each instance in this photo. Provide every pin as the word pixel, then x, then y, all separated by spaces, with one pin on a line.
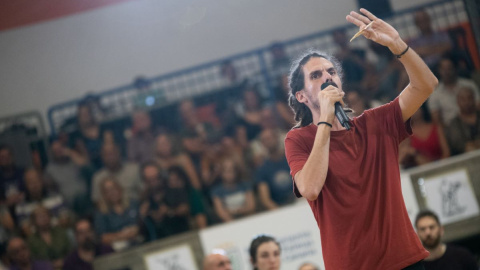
pixel 303 115
pixel 257 242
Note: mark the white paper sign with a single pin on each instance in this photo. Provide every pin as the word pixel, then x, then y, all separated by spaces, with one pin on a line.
pixel 293 226
pixel 178 258
pixel 451 196
pixel 409 196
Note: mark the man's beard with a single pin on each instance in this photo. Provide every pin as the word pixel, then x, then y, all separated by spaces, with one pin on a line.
pixel 315 103
pixel 431 242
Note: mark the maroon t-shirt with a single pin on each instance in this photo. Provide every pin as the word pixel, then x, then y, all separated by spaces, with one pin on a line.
pixel 360 211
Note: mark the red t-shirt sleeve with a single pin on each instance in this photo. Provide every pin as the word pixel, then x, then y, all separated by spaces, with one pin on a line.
pixel 388 119
pixel 297 154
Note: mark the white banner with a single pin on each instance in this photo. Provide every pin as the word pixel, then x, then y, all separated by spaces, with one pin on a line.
pixel 451 196
pixel 178 258
pixel 293 226
pixel 409 196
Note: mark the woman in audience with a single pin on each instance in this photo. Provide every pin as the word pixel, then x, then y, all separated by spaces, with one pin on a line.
pixel 35 195
pixel 249 112
pixel 117 216
pixel 166 157
pixel 265 253
pixel 232 198
pixel 50 243
pixel 427 143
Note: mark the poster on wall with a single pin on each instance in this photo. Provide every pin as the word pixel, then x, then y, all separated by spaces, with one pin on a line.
pixel 293 226
pixel 178 258
pixel 409 196
pixel 451 196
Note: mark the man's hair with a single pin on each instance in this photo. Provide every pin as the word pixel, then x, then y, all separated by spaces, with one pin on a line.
pixel 303 115
pixel 426 213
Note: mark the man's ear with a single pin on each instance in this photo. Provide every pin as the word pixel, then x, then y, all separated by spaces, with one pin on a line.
pixel 300 96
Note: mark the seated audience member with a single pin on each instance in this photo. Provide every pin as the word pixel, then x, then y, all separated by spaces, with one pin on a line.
pixel 37 195
pixel 308 266
pixel 443 102
pixel 249 112
pixel 182 202
pixel 232 198
pixel 217 260
pixel 257 150
pixel 273 177
pixel 88 248
pixel 265 253
pixel 356 102
pixel 429 44
pixel 20 257
pixel 71 174
pixel 49 242
pixel 167 156
pixel 127 174
pixel 463 133
pixel 139 145
pixel 90 136
pixel 442 256
pixel 117 216
pixel 427 143
pixel 281 102
pixel 11 178
pixel 169 206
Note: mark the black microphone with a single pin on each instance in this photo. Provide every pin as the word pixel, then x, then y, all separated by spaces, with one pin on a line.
pixel 339 112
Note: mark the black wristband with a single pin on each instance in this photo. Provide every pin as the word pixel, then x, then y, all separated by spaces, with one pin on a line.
pixel 326 123
pixel 404 52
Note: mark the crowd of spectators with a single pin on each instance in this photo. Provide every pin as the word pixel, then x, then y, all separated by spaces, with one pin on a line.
pixel 99 194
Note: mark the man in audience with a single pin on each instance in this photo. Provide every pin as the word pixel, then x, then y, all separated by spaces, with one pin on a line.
pixel 273 177
pixel 48 242
pixel 71 173
pixel 217 261
pixel 463 133
pixel 442 102
pixel 127 174
pixel 429 44
pixel 139 145
pixel 441 256
pixel 20 258
pixel 88 248
pixel 308 266
pixel 11 178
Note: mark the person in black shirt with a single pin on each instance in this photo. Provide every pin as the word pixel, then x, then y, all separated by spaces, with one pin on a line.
pixel 441 256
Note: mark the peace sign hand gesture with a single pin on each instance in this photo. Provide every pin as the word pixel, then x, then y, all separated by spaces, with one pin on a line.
pixel 379 32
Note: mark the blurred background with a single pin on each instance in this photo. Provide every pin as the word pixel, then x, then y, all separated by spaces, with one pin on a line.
pixel 158 126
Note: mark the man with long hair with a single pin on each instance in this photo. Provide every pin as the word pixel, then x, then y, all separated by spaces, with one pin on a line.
pixel 351 177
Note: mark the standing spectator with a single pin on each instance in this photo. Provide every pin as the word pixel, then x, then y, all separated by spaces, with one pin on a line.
pixel 139 145
pixel 249 111
pixel 281 102
pixel 443 101
pixel 428 141
pixel 442 256
pixel 71 173
pixel 429 44
pixel 232 198
pixel 37 195
pixel 280 63
pixel 166 156
pixel 117 216
pixel 90 136
pixel 87 249
pixel 273 177
pixel 127 174
pixel 49 242
pixel 11 178
pixel 463 133
pixel 20 257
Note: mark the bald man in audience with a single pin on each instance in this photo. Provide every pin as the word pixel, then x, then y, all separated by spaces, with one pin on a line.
pixel 217 261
